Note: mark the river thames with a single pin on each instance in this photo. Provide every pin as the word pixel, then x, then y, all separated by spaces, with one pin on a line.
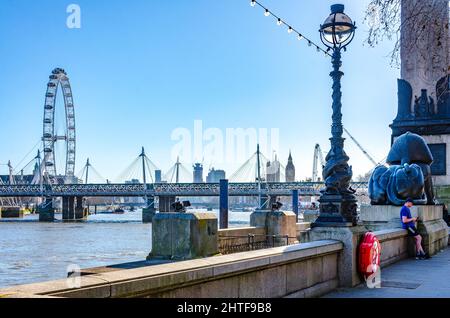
pixel 33 252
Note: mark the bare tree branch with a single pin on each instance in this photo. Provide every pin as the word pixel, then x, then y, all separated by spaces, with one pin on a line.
pixel 385 21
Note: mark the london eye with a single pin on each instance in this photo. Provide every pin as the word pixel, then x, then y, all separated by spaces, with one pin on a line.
pixel 52 137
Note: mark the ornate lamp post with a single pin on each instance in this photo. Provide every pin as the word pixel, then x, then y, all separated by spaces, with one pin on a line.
pixel 337 201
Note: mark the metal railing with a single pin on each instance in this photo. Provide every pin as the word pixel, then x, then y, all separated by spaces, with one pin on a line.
pixel 178 189
pixel 250 242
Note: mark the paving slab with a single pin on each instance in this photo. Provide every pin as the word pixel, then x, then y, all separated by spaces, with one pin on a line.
pixel 407 279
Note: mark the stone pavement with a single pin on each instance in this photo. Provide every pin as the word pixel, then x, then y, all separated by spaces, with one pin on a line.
pixel 407 278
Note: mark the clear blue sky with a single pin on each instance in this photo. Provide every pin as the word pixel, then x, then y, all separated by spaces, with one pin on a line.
pixel 141 68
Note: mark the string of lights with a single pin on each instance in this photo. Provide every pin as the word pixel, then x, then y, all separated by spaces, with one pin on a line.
pixel 290 29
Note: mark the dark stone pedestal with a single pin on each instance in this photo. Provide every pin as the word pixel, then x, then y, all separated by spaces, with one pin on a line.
pixel 147 214
pixel 149 211
pixel 337 210
pixel 46 211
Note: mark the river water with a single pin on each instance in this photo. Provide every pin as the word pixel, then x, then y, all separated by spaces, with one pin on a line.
pixel 33 252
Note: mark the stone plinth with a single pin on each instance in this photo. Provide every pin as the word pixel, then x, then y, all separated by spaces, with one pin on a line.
pixel 259 218
pixel 11 212
pixel 184 235
pixel 282 223
pixel 380 217
pixel 46 211
pixel 278 223
pixel 431 225
pixel 310 215
pixel 350 236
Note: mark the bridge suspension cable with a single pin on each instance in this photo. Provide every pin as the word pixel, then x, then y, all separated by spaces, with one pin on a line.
pixel 141 169
pixel 88 172
pixel 36 146
pixel 249 172
pixel 178 173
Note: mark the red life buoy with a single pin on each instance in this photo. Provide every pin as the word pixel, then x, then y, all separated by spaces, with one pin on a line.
pixel 369 255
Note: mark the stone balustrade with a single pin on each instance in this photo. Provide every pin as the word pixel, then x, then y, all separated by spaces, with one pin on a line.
pixel 300 270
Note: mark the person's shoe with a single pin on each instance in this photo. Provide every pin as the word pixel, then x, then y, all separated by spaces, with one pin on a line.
pixel 424 256
pixel 418 256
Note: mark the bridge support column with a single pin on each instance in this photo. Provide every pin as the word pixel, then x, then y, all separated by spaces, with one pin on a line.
pixel 46 210
pixel 295 203
pixel 149 211
pixel 165 203
pixel 223 204
pixel 68 208
pixel 80 211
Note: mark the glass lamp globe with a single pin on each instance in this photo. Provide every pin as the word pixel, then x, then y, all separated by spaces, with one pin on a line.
pixel 338 29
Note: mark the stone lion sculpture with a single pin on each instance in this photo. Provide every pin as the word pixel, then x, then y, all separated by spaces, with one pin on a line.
pixel 408 174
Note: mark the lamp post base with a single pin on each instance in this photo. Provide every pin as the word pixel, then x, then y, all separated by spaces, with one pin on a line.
pixel 337 210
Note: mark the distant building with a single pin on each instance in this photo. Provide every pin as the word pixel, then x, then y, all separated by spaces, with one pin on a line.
pixel 214 176
pixel 273 171
pixel 290 170
pixel 132 181
pixel 198 173
pixel 158 178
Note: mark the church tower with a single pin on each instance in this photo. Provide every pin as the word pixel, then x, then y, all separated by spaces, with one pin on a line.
pixel 290 170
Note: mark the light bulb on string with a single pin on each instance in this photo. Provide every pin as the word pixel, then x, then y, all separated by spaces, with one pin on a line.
pixel 289 28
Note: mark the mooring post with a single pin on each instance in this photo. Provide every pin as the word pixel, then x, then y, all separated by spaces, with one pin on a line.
pixel 295 203
pixel 223 204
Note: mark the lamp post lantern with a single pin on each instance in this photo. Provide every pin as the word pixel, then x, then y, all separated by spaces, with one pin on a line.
pixel 337 201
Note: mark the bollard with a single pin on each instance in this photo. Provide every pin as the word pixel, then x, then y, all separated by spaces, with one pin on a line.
pixel 223 204
pixel 295 203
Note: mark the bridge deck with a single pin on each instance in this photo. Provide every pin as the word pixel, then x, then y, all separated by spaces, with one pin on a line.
pixel 166 189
